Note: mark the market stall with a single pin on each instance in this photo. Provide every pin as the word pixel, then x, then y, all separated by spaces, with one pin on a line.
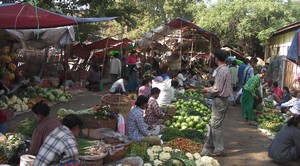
pixel 180 38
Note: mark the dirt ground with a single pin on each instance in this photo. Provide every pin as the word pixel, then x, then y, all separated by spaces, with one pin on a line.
pixel 244 144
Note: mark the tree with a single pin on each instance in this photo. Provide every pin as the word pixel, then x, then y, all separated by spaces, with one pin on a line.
pixel 247 24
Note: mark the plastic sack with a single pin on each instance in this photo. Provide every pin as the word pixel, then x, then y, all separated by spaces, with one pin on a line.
pixel 121 124
pixel 165 91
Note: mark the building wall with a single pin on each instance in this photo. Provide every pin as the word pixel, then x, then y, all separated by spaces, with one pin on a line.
pixel 278 49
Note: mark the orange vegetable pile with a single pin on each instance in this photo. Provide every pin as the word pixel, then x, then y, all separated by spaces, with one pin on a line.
pixel 185 145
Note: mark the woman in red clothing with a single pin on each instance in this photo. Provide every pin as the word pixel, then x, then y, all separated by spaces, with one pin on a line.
pixel 276 92
pixel 3 122
pixel 132 71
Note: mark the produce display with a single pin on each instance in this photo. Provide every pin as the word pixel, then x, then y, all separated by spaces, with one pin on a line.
pixel 15 103
pixel 7 63
pixel 50 94
pixel 32 95
pixel 185 145
pixel 97 111
pixel 12 144
pixel 26 127
pixel 271 122
pixel 91 148
pixel 167 156
pixel 138 149
pixel 190 114
pixel 169 134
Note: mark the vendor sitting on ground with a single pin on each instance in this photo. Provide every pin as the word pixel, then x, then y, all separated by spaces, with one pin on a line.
pixel 153 115
pixel 60 146
pixel 286 96
pixel 119 86
pixel 136 128
pixel 276 92
pixel 46 125
pixel 294 105
pixel 93 77
pixel 286 145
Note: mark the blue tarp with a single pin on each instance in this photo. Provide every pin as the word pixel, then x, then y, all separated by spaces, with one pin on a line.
pixel 294 51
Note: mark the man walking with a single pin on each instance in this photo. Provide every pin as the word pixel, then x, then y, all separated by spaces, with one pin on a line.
pixel 214 146
pixel 115 68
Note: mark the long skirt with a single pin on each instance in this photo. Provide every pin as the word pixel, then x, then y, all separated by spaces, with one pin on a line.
pixel 247 103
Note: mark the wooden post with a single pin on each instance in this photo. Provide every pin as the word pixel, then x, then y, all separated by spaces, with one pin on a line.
pixel 46 54
pixel 104 57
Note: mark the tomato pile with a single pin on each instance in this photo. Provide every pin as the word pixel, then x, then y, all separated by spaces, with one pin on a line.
pixel 185 145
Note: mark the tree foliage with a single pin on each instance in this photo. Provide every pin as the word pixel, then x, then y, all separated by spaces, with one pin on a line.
pixel 246 24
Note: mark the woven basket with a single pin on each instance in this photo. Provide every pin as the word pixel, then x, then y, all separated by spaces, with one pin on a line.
pixel 118 103
pixel 88 121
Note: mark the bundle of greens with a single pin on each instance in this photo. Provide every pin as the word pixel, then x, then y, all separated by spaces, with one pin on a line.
pixel 26 127
pixel 138 149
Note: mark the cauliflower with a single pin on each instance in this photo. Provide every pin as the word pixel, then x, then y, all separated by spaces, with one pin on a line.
pixel 25 100
pixel 157 162
pixel 14 99
pixel 147 164
pixel 210 161
pixel 156 149
pixel 190 156
pixel 19 101
pixel 17 107
pixel 150 154
pixel 200 163
pixel 197 156
pixel 167 149
pixel 163 156
pixel 176 150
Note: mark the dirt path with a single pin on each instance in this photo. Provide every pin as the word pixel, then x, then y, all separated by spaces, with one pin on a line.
pixel 245 146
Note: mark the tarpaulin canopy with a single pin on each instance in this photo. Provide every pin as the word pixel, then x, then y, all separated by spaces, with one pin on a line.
pixel 294 51
pixel 108 44
pixel 176 31
pixel 59 36
pixel 24 16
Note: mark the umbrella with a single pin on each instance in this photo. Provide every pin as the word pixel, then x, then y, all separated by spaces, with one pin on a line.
pixel 24 16
pixel 294 51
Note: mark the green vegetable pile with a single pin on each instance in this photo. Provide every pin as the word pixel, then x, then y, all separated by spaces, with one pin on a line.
pixel 169 134
pixel 138 149
pixel 190 114
pixel 270 118
pixel 48 93
pixel 26 127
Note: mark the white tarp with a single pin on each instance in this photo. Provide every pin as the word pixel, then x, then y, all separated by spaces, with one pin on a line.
pixel 42 38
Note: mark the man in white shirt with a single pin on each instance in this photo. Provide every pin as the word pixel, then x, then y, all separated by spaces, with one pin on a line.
pixel 294 104
pixel 118 86
pixel 115 68
pixel 181 77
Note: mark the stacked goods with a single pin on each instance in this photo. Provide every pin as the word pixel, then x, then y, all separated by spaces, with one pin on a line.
pixel 50 94
pixel 8 67
pixel 169 156
pixel 12 144
pixel 271 122
pixel 98 112
pixel 185 145
pixel 190 114
pixel 15 103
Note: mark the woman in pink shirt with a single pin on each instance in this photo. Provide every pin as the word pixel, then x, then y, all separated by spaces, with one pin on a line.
pixel 276 92
pixel 145 88
pixel 132 71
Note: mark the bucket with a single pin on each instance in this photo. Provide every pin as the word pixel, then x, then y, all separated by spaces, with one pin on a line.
pixel 27 160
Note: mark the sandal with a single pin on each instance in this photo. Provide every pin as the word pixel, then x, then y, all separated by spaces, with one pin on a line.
pixel 253 123
pixel 217 154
